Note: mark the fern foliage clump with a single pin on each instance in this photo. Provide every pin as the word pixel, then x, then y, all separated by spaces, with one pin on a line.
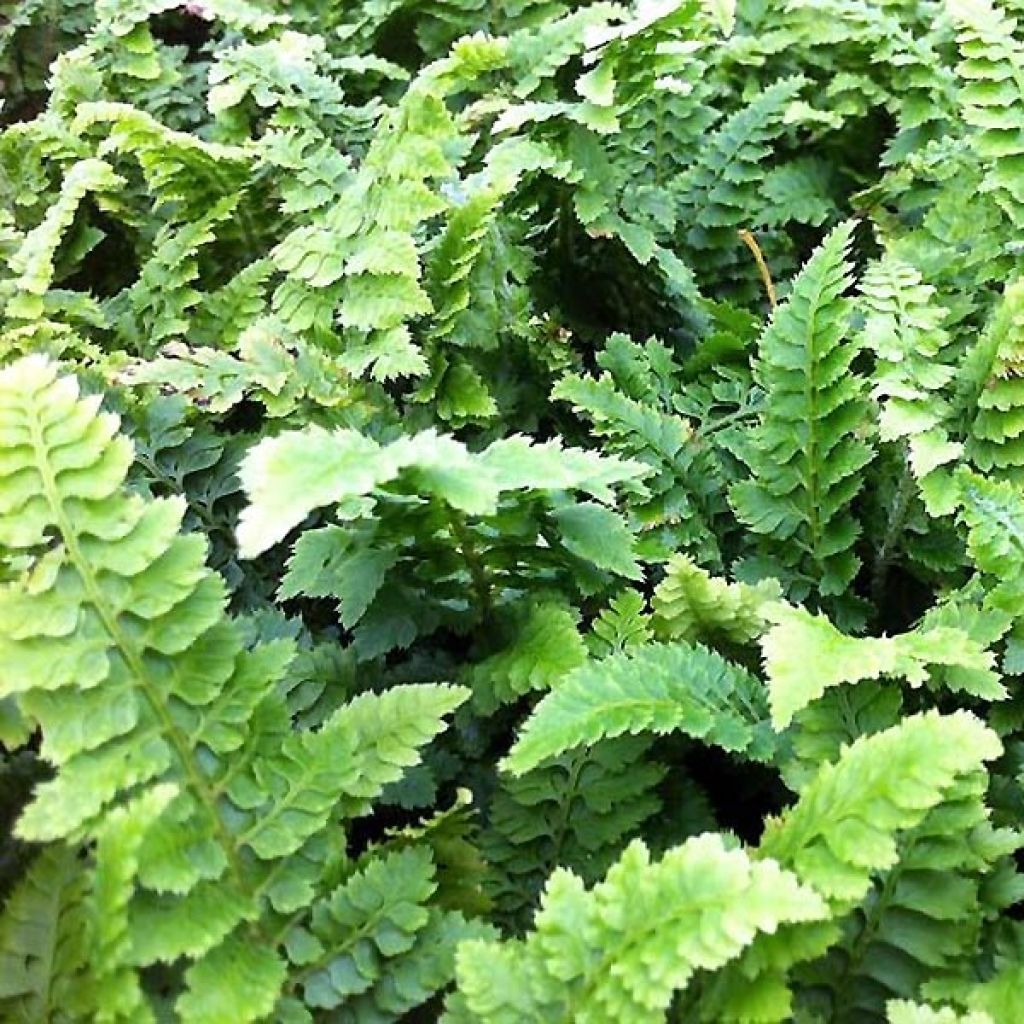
pixel 511 512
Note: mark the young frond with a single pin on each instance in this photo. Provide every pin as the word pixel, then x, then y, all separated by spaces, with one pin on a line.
pixel 807 454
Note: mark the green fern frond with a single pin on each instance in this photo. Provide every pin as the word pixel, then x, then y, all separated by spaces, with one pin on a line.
pixel 843 829
pixel 33 261
pixel 183 173
pixel 159 305
pixel 575 811
pixel 996 442
pixel 720 192
pixel 42 936
pixel 288 476
pixel 904 328
pixel 624 625
pixel 373 916
pixel 547 646
pixel 804 655
pixel 992 70
pixel 152 685
pixel 993 513
pixel 806 456
pixel 658 688
pixel 903 1011
pixel 827 725
pixel 903 935
pixel 619 951
pixel 691 604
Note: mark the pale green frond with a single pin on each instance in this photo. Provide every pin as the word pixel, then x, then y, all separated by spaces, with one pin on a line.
pixel 902 1011
pixel 691 604
pixel 804 655
pixel 619 951
pixel 843 829
pixel 658 688
pixel 547 646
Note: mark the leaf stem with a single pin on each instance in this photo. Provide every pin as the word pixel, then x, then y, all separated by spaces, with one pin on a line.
pixel 896 520
pixel 474 562
pixel 747 238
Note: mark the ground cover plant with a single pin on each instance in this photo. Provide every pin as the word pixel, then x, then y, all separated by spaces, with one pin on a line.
pixel 512 512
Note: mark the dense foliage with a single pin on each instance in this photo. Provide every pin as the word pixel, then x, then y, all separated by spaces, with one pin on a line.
pixel 511 512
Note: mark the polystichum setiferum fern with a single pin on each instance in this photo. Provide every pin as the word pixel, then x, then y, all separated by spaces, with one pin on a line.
pixel 218 835
pixel 511 512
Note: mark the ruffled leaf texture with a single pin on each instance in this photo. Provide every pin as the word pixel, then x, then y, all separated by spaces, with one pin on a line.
pixel 991 68
pixel 655 688
pixel 691 604
pixel 845 828
pixel 115 640
pixel 804 655
pixel 620 950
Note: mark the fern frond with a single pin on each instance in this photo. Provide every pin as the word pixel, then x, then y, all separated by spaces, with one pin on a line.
pixel 903 935
pixel 574 811
pixel 720 192
pixel 375 915
pixel 159 305
pixel 547 646
pixel 992 70
pixel 224 315
pixel 290 475
pixel 806 457
pixel 843 829
pixel 691 604
pixel 903 1011
pixel 42 933
pixel 619 951
pixel 632 408
pixel 804 655
pixel 904 328
pixel 184 173
pixel 996 442
pixel 993 514
pixel 822 730
pixel 33 261
pixel 658 688
pixel 624 625
pixel 152 685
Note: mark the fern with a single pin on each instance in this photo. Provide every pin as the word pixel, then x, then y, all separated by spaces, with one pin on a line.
pixel 657 688
pixel 33 260
pixel 805 654
pixel 690 604
pixel 150 669
pixel 995 432
pixel 903 936
pixel 576 811
pixel 41 936
pixel 183 173
pixel 805 457
pixel 623 625
pixel 992 513
pixel 904 328
pixel 720 192
pixel 839 833
pixel 392 600
pixel 991 68
pixel 546 646
pixel 159 305
pixel 656 923
pixel 901 1011
pixel 463 567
